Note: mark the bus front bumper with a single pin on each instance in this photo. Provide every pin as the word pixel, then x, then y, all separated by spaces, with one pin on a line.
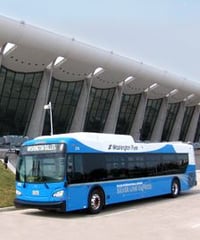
pixel 58 206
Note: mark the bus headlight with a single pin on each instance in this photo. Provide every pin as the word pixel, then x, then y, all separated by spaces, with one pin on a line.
pixel 18 193
pixel 58 194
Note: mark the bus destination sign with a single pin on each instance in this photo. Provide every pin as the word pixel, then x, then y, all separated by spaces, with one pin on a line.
pixel 43 148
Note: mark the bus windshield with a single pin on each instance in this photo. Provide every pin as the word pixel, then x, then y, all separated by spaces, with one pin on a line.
pixel 38 168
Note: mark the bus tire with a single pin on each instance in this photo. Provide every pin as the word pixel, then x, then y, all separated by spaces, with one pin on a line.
pixel 175 188
pixel 95 201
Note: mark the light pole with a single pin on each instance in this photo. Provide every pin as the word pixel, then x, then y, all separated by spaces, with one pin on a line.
pixel 49 107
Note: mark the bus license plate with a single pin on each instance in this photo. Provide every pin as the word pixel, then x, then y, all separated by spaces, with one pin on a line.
pixel 35 193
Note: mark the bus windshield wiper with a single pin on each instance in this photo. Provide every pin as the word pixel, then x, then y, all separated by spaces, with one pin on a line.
pixel 45 183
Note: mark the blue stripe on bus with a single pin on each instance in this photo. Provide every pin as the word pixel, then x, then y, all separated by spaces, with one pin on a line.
pixel 166 149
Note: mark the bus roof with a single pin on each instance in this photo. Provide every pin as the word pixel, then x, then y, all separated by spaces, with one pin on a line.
pixel 103 142
pixel 90 139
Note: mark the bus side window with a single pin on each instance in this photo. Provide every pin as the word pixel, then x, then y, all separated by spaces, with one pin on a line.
pixel 78 168
pixel 151 164
pixel 182 162
pixel 74 168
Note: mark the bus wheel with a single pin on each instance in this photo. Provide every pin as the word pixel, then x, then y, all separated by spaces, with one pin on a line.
pixel 96 201
pixel 175 188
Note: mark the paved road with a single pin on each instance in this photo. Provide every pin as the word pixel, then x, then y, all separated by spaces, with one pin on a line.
pixel 160 218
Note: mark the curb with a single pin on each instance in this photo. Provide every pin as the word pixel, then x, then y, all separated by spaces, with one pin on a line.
pixel 6 209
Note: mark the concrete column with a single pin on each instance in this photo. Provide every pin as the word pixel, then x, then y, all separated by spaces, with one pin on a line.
pixel 81 109
pixel 38 116
pixel 111 122
pixel 178 123
pixel 158 128
pixel 1 58
pixel 193 125
pixel 139 118
pixel 1 54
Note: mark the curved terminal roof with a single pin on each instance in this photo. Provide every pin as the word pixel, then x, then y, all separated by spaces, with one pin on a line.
pixel 36 48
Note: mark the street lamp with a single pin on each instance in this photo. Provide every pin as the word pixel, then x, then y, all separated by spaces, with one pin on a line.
pixel 49 107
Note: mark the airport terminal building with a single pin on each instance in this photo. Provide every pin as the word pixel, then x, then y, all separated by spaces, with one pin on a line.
pixel 89 89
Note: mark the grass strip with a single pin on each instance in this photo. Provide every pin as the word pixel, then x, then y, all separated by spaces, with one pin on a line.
pixel 7 187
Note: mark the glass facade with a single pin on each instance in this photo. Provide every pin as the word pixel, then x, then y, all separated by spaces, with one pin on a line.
pixel 98 109
pixel 172 112
pixel 186 122
pixel 64 97
pixel 18 92
pixel 151 114
pixel 127 113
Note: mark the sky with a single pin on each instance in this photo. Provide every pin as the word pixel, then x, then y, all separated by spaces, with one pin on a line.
pixel 161 33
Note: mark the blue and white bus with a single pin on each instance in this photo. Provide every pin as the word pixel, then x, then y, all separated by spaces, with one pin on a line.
pixel 73 171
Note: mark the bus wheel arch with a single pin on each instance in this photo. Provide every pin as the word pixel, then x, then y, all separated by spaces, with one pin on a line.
pixel 175 187
pixel 96 200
